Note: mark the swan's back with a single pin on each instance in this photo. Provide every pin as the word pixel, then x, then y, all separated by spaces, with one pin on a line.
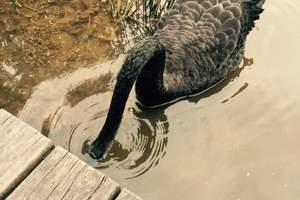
pixel 205 38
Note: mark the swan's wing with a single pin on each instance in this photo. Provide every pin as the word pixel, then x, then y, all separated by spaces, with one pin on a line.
pixel 200 33
pixel 218 32
pixel 190 10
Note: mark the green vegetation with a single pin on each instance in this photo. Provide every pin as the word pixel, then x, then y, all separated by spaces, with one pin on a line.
pixel 13 3
pixel 142 15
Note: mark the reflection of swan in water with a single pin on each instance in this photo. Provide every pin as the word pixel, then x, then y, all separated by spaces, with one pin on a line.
pixel 196 45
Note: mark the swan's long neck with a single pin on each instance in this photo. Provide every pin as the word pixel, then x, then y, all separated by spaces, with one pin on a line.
pixel 128 74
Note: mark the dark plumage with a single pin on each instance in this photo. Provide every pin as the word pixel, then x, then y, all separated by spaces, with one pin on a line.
pixel 196 44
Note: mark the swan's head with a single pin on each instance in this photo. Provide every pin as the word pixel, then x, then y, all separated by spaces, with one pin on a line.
pixel 97 149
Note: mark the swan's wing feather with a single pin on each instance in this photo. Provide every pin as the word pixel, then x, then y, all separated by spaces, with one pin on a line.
pixel 212 33
pixel 187 9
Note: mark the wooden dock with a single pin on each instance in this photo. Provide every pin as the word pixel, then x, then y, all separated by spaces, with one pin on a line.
pixel 32 168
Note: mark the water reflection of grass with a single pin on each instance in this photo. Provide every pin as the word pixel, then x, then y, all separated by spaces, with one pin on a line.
pixel 142 15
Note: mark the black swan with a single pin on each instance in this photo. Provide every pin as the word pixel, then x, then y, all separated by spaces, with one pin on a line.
pixel 197 43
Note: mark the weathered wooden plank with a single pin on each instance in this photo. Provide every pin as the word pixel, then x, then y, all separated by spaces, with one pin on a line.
pixel 4 116
pixel 12 127
pixel 63 176
pixel 127 195
pixel 21 149
pixel 109 189
pixel 29 185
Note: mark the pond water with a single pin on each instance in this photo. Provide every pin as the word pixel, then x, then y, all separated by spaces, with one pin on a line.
pixel 238 141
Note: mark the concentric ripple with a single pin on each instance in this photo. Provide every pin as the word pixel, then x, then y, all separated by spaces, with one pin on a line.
pixel 138 147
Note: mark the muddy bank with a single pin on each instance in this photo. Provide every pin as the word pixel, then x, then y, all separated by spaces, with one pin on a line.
pixel 42 39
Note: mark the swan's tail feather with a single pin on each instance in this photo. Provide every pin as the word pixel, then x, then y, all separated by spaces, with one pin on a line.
pixel 258 3
pixel 253 9
pixel 255 5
